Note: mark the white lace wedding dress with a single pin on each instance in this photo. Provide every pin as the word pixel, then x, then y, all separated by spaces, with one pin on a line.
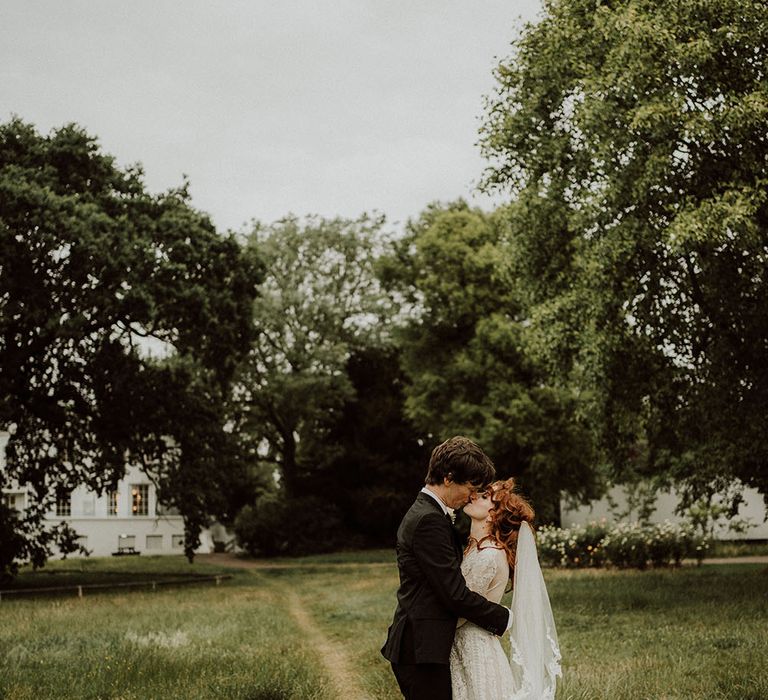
pixel 480 669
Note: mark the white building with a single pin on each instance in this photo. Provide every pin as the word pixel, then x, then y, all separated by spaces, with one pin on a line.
pixel 131 516
pixel 753 511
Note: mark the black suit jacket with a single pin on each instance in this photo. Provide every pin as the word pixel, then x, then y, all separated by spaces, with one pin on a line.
pixel 433 593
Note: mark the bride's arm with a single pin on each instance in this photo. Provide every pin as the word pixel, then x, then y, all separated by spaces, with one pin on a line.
pixel 488 576
pixel 498 584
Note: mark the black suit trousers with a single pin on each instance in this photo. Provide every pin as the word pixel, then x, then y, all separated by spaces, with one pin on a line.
pixel 424 681
pixel 420 681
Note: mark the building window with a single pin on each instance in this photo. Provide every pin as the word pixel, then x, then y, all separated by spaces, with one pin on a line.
pixel 177 541
pixel 89 506
pixel 154 541
pixel 140 499
pixel 124 541
pixel 11 501
pixel 64 505
pixel 112 503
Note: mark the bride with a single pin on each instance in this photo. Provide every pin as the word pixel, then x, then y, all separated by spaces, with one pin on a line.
pixel 502 545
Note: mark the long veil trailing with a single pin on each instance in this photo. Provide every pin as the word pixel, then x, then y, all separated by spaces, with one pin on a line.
pixel 534 650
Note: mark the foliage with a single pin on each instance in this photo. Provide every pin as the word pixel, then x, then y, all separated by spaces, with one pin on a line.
pixel 634 545
pixel 276 525
pixel 379 459
pixel 623 545
pixel 319 301
pixel 22 539
pixel 631 135
pixel 640 498
pixel 122 316
pixel 716 512
pixel 578 546
pixel 470 367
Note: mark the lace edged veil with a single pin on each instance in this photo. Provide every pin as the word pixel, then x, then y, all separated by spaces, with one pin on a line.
pixel 534 649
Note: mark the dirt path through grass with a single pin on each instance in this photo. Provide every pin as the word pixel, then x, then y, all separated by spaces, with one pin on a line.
pixel 332 654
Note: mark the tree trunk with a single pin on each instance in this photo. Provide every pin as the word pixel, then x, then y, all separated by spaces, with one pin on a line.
pixel 290 468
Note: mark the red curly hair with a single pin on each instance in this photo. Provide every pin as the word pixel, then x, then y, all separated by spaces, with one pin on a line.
pixel 508 512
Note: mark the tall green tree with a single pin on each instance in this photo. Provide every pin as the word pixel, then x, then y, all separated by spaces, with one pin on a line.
pixel 320 301
pixel 122 317
pixel 380 459
pixel 631 135
pixel 465 351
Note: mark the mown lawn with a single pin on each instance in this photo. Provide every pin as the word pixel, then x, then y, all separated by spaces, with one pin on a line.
pixel 683 634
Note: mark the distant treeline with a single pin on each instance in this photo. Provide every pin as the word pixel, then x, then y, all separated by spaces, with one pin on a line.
pixel 609 323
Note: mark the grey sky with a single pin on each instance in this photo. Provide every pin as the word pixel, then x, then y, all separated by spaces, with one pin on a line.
pixel 333 107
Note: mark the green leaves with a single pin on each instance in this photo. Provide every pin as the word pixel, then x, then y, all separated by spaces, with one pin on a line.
pixel 632 135
pixel 319 302
pixel 96 275
pixel 473 366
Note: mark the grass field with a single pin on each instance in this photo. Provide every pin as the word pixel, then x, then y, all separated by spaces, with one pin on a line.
pixel 738 549
pixel 661 635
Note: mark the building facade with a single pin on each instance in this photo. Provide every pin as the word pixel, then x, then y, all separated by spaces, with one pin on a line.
pixel 752 512
pixel 129 517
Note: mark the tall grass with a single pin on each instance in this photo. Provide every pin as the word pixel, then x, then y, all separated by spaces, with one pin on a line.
pixel 111 570
pixel 229 641
pixel 724 548
pixel 687 634
pixel 684 634
pixel 691 633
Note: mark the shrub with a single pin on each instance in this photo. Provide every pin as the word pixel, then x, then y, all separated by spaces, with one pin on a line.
pixel 275 526
pixel 624 545
pixel 376 512
pixel 579 546
pixel 665 545
pixel 551 543
pixel 692 543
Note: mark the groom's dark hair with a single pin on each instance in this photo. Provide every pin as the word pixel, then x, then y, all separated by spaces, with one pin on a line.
pixel 461 460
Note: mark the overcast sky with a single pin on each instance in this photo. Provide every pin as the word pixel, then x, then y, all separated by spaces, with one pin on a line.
pixel 331 108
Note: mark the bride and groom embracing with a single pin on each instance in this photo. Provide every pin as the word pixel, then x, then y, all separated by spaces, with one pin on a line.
pixel 444 639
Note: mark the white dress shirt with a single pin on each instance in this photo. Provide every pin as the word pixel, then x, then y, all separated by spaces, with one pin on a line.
pixel 444 508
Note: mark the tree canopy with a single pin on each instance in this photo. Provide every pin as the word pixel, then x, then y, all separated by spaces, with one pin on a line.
pixel 319 301
pixel 122 317
pixel 468 360
pixel 613 313
pixel 631 135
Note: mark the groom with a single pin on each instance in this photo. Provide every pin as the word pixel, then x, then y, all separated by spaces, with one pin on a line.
pixel 433 593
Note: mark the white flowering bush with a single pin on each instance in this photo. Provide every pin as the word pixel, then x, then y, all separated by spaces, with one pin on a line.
pixel 624 545
pixel 578 546
pixel 551 541
pixel 627 545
